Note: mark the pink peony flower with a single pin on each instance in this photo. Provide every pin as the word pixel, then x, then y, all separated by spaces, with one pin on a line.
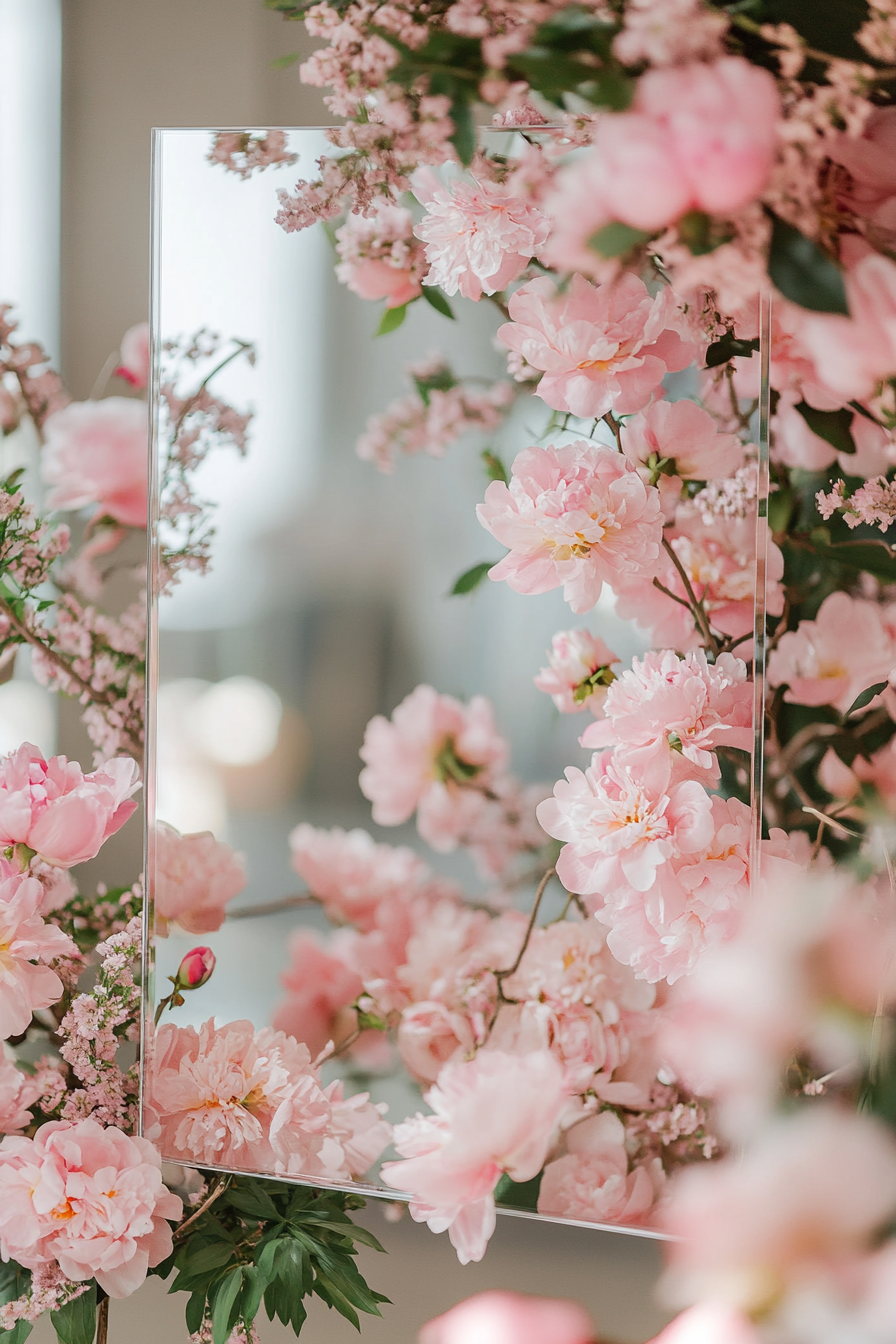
pixel 853 354
pixel 16 1095
pixel 430 1036
pixel 434 756
pixel 807 1195
pixel 605 348
pixel 379 255
pixel 479 238
pixel 195 878
pixel 88 1197
pixel 27 944
pixel 351 875
pixel 510 1318
pixel 576 516
pixel 238 1097
pixel 849 646
pixel 63 815
pixel 320 987
pixel 97 452
pixel 591 1183
pixel 617 830
pixel 495 1114
pixel 134 366
pixel 699 137
pixel 694 904
pixel 578 672
pixel 871 162
pixel 680 437
pixel 668 714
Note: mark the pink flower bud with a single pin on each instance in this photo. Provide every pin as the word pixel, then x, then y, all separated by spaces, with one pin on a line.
pixel 196 968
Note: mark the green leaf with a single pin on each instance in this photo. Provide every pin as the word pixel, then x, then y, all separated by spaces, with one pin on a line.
pixel 253 1200
pixel 866 697
pixel 392 319
pixel 835 427
pixel 616 238
pixel 471 579
pixel 518 1194
pixel 75 1323
pixel 284 62
pixel 728 347
pixel 464 137
pixel 255 1284
pixel 208 1257
pixel 225 1299
pixel 18 1334
pixel 802 272
pixel 495 469
pixel 195 1312
pixel 436 299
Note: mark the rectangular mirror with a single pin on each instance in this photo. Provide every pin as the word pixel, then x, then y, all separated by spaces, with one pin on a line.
pixel 414 929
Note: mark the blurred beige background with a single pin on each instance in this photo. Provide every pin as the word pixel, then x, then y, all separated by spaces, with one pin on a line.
pixel 130 65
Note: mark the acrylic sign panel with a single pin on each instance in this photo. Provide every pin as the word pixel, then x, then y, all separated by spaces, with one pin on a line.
pixel 349 978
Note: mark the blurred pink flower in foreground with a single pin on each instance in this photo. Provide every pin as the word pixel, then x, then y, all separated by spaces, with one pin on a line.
pixel 195 878
pixel 495 1114
pixel 97 452
pixel 572 678
pixel 379 256
pixel 576 516
pixel 666 714
pixel 134 356
pixel 25 941
pixel 853 354
pixel 710 1323
pixel 850 646
pixel 809 1194
pixel 497 1317
pixel 479 237
pixel 602 348
pixel 434 757
pixel 319 986
pixel 89 1198
pixel 61 813
pixel 699 137
pixel 351 875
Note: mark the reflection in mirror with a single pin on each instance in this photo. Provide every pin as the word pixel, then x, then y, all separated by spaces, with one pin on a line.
pixel 495 542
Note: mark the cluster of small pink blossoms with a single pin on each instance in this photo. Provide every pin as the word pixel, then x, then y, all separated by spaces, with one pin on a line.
pixel 873 503
pixel 429 420
pixel 242 153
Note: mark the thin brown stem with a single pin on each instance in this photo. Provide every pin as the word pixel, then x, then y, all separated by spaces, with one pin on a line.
pixel 102 1322
pixel 501 976
pixel 204 1207
pixel 616 429
pixel 274 907
pixel 669 593
pixel 696 606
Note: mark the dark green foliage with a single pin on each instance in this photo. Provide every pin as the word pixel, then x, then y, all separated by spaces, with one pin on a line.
pixel 835 427
pixel 728 347
pixel 14 1282
pixel 434 296
pixel 75 1323
pixel 471 578
pixel 495 469
pixel 392 319
pixel 802 272
pixel 273 1244
pixel 866 697
pixel 616 238
pixel 518 1194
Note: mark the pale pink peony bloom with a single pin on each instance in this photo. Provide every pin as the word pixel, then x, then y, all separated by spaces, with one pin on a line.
pixel 719 558
pixel 479 237
pixel 871 162
pixel 575 516
pixel 239 1097
pixel 666 715
pixel 853 354
pixel 694 904
pixel 97 452
pixel 618 830
pixel 699 136
pixel 134 355
pixel 27 944
pixel 602 348
pixel 88 1197
pixel 16 1095
pixel 571 679
pixel 379 255
pixel 195 878
pixel 680 437
pixel 431 1035
pixel 497 1317
pixel 62 814
pixel 592 1183
pixel 351 875
pixel 850 646
pixel 497 1113
pixel 434 756
pixel 320 987
pixel 804 1198
pixel 710 1323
